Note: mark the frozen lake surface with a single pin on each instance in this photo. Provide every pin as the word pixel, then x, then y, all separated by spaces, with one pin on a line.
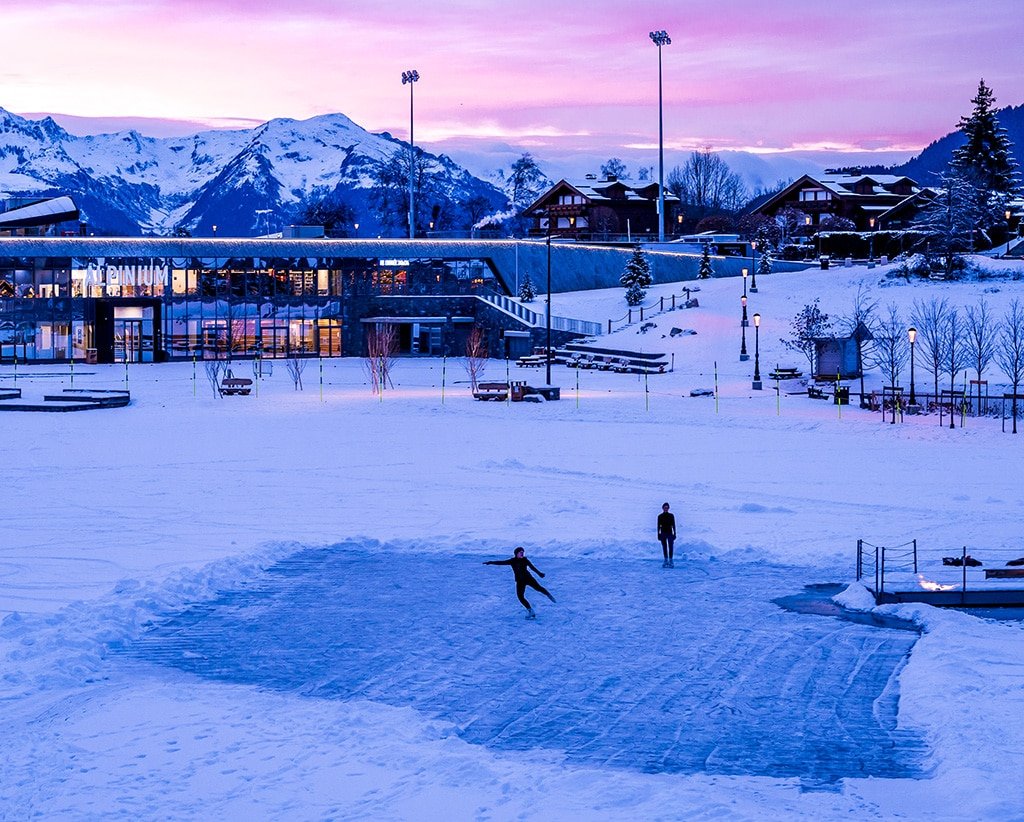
pixel 688 670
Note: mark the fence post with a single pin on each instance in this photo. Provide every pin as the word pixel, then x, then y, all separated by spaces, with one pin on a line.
pixel 859 566
pixel 673 302
pixel 882 586
pixel 661 307
pixel 609 326
pixel 641 313
pixel 963 566
pixel 630 316
pixel 915 556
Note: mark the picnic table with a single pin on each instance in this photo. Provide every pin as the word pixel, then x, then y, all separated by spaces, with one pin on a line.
pixel 235 385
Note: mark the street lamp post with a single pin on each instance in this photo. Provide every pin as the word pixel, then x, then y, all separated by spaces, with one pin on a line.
pixel 410 77
pixel 871 241
pixel 912 336
pixel 753 266
pixel 547 353
pixel 1008 238
pixel 215 231
pixel 661 38
pixel 743 320
pixel 744 356
pixel 756 384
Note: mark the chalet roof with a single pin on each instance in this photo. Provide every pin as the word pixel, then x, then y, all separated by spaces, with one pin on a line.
pixel 600 191
pixel 841 186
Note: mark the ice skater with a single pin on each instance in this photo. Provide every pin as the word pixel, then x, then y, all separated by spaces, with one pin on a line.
pixel 521 567
pixel 667 535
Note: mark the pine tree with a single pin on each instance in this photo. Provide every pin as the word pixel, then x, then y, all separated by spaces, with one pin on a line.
pixel 986 157
pixel 527 290
pixel 636 278
pixel 705 272
pixel 764 265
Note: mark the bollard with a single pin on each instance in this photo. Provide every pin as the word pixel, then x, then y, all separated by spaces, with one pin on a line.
pixel 444 365
pixel 716 386
pixel 321 379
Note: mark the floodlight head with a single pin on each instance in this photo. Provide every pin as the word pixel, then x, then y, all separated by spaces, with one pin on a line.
pixel 660 38
pixel 410 76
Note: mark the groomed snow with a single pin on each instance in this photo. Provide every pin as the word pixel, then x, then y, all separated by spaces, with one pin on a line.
pixel 119 520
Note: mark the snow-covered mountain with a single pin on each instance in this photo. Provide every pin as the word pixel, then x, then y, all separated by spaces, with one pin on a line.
pixel 245 182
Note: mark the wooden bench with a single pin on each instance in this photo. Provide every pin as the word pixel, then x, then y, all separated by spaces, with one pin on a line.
pixel 816 393
pixel 1004 573
pixel 491 391
pixel 235 385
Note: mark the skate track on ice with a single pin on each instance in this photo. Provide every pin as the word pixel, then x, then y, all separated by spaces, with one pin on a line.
pixel 636 667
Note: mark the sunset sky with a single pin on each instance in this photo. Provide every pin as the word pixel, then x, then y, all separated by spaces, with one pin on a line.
pixel 744 74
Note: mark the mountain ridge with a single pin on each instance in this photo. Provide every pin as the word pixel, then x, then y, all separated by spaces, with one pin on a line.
pixel 128 183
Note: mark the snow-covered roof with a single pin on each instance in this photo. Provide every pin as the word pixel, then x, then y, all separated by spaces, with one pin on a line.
pixel 47 212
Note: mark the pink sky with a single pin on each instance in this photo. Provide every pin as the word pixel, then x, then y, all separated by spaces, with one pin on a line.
pixel 739 73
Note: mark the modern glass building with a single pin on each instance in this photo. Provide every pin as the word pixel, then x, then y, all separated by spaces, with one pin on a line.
pixel 154 300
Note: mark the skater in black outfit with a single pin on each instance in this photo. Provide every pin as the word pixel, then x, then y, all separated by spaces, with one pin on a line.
pixel 667 535
pixel 521 567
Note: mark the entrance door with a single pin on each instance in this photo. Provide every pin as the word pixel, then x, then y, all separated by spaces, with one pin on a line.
pixel 329 334
pixel 127 340
pixel 275 341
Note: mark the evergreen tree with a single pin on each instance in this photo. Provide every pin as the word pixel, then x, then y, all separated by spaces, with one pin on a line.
pixel 764 264
pixel 705 272
pixel 806 326
pixel 986 158
pixel 527 290
pixel 636 278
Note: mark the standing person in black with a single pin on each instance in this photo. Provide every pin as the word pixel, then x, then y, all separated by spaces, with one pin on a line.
pixel 521 568
pixel 667 534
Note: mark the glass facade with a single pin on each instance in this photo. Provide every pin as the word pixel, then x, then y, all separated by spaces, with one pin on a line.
pixel 117 309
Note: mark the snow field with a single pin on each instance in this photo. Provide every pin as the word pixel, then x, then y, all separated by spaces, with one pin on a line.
pixel 122 518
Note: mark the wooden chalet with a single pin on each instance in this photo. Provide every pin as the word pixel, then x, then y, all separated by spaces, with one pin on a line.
pixel 866 199
pixel 605 209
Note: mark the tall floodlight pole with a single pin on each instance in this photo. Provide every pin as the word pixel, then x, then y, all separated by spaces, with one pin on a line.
pixel 411 77
pixel 661 38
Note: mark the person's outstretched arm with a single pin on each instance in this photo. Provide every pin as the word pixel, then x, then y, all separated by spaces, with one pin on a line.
pixel 535 568
pixel 498 562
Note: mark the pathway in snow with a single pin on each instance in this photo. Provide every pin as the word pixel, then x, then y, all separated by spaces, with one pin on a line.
pixel 677 671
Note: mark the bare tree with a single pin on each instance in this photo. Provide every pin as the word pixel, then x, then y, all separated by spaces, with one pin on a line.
pixel 982 332
pixel 381 347
pixel 1010 351
pixel 890 349
pixel 864 311
pixel 476 356
pixel 954 347
pixel 930 319
pixel 296 365
pixel 213 368
pixel 706 184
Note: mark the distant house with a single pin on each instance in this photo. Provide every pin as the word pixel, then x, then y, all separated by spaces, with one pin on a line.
pixel 871 201
pixel 593 209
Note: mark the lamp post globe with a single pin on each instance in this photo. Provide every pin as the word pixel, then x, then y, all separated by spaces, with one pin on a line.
pixel 660 38
pixel 753 268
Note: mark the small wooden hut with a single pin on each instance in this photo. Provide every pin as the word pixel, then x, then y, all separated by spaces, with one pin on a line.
pixel 841 355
